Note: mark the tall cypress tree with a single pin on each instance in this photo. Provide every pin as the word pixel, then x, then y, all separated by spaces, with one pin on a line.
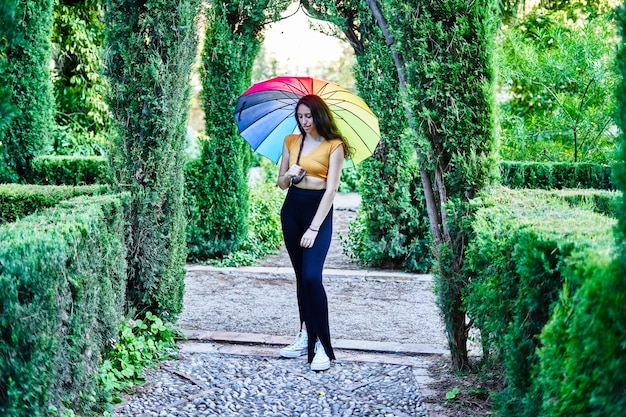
pixel 392 229
pixel 233 38
pixel 151 46
pixel 27 76
pixel 8 37
pixel 443 52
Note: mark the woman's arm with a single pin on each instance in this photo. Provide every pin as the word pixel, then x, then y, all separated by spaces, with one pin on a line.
pixel 335 166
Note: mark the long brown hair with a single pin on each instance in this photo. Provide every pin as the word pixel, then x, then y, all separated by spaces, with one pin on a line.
pixel 323 119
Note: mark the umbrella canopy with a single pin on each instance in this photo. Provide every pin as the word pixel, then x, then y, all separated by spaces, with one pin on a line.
pixel 265 115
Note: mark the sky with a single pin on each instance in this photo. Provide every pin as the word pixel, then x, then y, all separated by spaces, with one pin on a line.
pixel 296 46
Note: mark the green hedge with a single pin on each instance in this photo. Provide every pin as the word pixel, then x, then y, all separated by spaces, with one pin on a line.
pixel 525 245
pixel 78 170
pixel 582 357
pixel 62 285
pixel 264 231
pixel 555 175
pixel 70 170
pixel 17 201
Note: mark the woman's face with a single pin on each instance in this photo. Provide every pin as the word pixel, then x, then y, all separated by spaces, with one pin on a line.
pixel 306 119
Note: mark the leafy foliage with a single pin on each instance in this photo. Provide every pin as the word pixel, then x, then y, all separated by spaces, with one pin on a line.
pixel 557 81
pixel 583 347
pixel 233 35
pixel 80 89
pixel 151 47
pixel 556 175
pixel 230 45
pixel 142 343
pixel 264 230
pixel 620 120
pixel 511 9
pixel 18 200
pixel 27 78
pixel 8 37
pixel 69 170
pixel 525 245
pixel 392 208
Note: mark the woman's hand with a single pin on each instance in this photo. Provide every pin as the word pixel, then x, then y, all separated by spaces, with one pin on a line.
pixel 308 239
pixel 293 171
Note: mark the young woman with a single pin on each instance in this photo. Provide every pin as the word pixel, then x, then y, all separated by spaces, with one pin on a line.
pixel 311 168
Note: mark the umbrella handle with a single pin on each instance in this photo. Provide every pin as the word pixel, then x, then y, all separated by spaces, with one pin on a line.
pixel 300 177
pixel 300 151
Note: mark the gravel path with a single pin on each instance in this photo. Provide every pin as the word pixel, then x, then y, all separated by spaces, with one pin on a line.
pixel 214 378
pixel 395 308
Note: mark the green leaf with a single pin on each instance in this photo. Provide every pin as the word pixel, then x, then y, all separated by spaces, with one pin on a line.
pixel 451 395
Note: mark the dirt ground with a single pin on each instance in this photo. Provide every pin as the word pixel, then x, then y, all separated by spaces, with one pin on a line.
pixel 397 309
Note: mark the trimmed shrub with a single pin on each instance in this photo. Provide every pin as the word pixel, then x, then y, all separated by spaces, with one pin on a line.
pixel 600 201
pixel 583 347
pixel 62 282
pixel 17 201
pixel 233 37
pixel 70 170
pixel 204 240
pixel 230 45
pixel 264 229
pixel 524 246
pixel 555 175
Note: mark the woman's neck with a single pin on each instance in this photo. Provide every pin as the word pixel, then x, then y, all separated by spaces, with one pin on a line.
pixel 315 136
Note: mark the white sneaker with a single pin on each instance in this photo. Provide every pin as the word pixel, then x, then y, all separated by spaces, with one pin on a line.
pixel 321 362
pixel 298 348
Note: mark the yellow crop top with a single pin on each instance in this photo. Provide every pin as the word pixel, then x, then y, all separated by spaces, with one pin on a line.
pixel 315 163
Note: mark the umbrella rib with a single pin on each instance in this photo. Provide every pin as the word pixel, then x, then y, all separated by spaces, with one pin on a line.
pixel 264 116
pixel 358 134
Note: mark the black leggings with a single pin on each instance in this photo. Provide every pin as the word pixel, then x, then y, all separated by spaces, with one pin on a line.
pixel 296 215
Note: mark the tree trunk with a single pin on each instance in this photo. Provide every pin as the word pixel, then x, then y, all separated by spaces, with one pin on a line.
pixel 434 215
pixel 436 200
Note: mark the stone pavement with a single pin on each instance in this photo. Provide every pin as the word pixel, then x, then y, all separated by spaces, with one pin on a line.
pixel 386 337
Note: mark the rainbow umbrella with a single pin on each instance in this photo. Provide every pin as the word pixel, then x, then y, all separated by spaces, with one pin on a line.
pixel 265 115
